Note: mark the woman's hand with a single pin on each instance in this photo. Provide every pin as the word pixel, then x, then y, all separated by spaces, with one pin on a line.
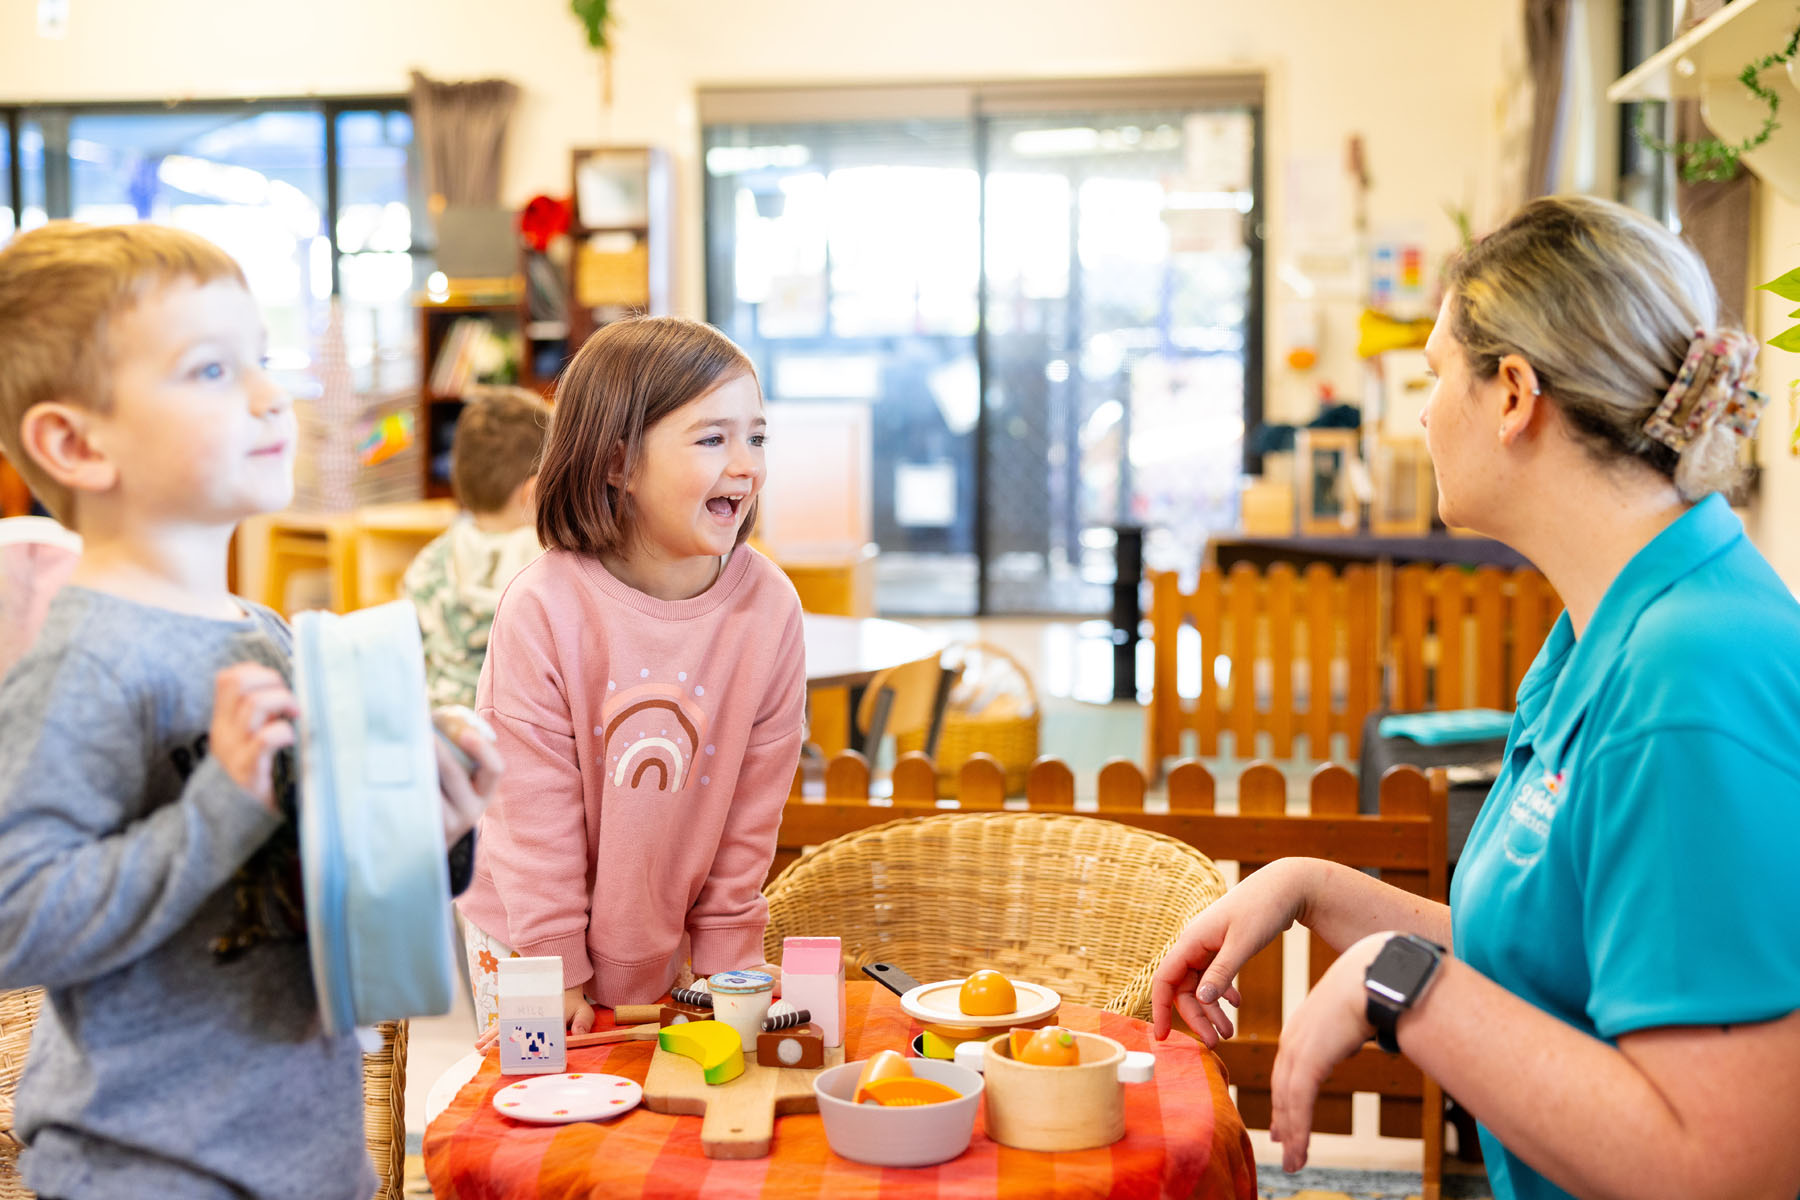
pixel 466 790
pixel 1328 1027
pixel 1197 972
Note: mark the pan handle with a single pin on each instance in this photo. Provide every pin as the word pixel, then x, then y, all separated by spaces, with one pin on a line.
pixel 891 977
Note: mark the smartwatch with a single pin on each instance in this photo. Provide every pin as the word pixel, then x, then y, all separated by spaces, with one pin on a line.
pixel 1395 981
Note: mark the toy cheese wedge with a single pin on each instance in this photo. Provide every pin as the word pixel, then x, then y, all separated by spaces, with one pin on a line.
pixel 713 1044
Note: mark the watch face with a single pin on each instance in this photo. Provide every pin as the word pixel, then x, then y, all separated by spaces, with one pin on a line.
pixel 1401 968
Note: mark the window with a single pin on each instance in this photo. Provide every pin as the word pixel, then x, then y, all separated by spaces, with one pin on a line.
pixel 1016 317
pixel 314 199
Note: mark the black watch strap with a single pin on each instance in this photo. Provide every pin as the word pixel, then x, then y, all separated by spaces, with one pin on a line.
pixel 1384 1015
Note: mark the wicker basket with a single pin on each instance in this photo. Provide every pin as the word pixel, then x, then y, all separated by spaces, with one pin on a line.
pixel 1077 903
pixel 18 1013
pixel 1011 739
pixel 384 1096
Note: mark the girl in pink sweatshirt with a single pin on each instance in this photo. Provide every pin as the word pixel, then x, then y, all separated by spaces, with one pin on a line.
pixel 647 681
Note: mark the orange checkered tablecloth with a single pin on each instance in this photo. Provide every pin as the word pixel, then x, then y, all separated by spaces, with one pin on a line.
pixel 1183 1137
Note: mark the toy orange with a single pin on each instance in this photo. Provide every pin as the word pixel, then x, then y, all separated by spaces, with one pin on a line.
pixel 1051 1046
pixel 906 1091
pixel 887 1064
pixel 987 994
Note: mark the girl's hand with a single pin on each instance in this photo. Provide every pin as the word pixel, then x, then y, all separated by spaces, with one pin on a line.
pixel 1328 1027
pixel 578 1014
pixel 1198 970
pixel 253 717
pixel 466 792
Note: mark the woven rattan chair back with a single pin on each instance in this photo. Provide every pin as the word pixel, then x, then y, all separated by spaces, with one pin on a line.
pixel 1083 905
pixel 384 1096
pixel 18 1013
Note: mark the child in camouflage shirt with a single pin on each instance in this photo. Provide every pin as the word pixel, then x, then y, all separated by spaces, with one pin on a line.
pixel 456 581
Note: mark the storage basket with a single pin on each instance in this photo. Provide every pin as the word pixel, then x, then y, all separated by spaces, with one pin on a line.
pixel 1009 735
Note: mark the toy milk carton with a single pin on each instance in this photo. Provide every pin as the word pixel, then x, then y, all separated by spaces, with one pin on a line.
pixel 812 977
pixel 531 1017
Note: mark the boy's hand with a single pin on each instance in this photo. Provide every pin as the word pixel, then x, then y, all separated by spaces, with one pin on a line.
pixel 466 793
pixel 253 717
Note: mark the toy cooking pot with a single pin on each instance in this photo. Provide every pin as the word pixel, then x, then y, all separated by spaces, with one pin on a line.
pixel 908 1135
pixel 1030 1107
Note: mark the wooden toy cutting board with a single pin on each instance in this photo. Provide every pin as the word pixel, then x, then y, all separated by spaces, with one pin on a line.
pixel 739 1115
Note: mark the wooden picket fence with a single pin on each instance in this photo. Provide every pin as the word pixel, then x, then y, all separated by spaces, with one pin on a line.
pixel 1407 842
pixel 1296 654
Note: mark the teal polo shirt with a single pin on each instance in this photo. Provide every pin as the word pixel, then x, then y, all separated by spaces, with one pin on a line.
pixel 1637 862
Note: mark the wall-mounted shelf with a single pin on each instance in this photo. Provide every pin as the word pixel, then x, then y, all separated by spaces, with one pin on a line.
pixel 1704 63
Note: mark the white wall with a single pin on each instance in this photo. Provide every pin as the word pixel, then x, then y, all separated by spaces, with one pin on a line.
pixel 1419 79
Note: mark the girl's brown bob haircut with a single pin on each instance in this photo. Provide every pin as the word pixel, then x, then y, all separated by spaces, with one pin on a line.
pixel 624 379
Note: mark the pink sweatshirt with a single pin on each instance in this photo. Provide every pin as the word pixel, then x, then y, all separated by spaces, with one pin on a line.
pixel 649 748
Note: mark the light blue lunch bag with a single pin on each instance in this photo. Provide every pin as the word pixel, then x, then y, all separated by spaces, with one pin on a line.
pixel 372 850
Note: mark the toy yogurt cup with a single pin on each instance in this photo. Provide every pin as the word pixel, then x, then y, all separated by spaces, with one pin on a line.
pixel 1057 1108
pixel 741 1000
pixel 911 1135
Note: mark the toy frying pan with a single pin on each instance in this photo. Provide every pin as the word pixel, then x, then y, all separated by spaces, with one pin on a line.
pixel 939 1004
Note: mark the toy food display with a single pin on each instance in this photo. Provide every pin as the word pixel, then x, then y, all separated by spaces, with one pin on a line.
pixel 713 1044
pixel 1051 1046
pixel 987 994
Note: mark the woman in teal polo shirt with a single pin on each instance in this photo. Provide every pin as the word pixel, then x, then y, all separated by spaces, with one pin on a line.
pixel 1620 1009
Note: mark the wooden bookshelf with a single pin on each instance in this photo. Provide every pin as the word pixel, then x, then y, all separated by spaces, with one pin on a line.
pixel 621 236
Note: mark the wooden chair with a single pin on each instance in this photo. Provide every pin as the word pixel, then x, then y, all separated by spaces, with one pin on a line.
pixel 1086 907
pixel 384 1096
pixel 905 699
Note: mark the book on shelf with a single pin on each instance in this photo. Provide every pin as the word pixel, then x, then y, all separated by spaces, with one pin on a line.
pixel 472 351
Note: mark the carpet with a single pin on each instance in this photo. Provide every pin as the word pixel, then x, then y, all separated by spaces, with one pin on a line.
pixel 1330 1183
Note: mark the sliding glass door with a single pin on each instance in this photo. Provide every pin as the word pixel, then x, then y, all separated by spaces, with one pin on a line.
pixel 1012 330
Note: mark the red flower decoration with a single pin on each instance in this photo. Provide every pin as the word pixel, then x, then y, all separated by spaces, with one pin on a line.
pixel 543 218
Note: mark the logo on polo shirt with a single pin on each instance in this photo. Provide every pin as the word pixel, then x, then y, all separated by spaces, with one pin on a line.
pixel 1529 815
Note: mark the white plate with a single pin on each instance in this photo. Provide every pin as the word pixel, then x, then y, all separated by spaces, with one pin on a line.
pixel 940 1003
pixel 577 1096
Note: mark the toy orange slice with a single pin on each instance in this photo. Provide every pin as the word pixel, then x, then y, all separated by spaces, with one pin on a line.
pixel 887 1064
pixel 908 1090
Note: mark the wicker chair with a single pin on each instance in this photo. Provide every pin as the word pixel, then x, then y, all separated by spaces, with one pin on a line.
pixel 1081 904
pixel 384 1096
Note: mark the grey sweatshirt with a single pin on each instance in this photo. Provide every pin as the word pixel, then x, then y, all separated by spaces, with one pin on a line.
pixel 156 1069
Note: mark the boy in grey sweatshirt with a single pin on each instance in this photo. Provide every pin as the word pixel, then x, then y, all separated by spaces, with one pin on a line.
pixel 148 864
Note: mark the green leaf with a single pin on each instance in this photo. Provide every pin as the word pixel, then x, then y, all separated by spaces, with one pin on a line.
pixel 1788 340
pixel 593 16
pixel 1787 287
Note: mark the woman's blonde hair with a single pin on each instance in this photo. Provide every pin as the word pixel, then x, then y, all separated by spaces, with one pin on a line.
pixel 624 379
pixel 1603 303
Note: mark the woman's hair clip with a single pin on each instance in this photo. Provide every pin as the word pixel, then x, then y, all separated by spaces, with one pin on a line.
pixel 1712 386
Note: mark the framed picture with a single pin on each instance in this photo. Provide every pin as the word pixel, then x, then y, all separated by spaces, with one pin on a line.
pixel 1405 492
pixel 1322 459
pixel 612 188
